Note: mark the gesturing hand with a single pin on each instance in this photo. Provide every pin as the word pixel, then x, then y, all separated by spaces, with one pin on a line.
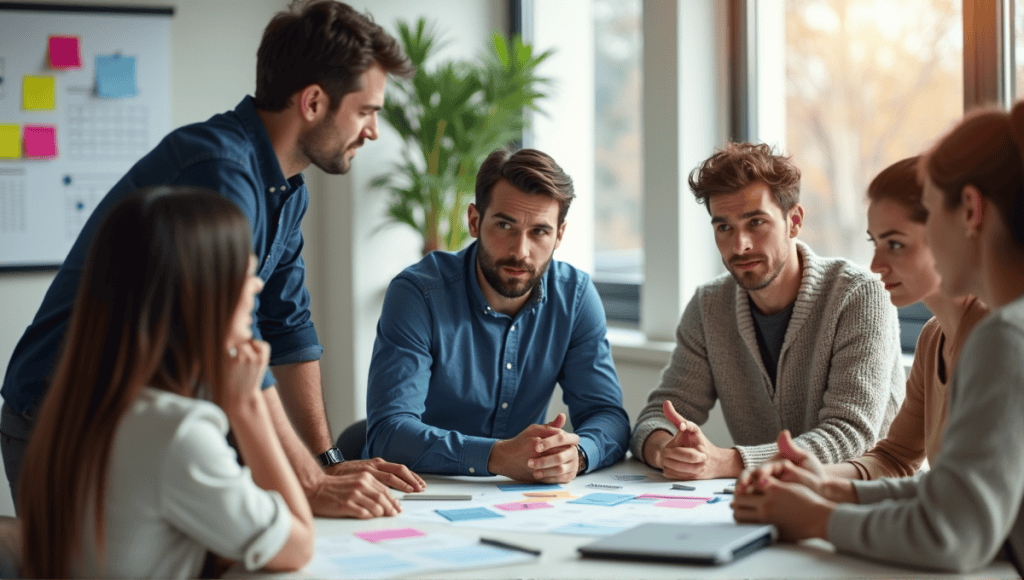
pixel 790 464
pixel 393 475
pixel 539 453
pixel 690 455
pixel 356 495
pixel 798 512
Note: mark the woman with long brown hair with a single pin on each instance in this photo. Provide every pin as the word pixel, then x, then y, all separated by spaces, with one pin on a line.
pixel 128 473
pixel 957 515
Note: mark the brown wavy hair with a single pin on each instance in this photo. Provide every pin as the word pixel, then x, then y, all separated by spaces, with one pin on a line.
pixel 164 275
pixel 323 43
pixel 740 164
pixel 899 183
pixel 986 150
pixel 530 171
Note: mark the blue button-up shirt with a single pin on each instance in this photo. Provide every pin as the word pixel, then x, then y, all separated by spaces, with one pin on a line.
pixel 450 376
pixel 230 153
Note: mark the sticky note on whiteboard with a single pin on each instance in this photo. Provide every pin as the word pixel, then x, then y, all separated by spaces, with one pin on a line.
pixel 10 141
pixel 40 141
pixel 115 76
pixel 38 93
pixel 65 52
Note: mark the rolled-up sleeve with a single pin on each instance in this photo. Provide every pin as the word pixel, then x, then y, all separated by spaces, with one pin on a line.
pixel 208 497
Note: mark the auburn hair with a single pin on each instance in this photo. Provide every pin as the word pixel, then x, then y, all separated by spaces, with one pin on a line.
pixel 164 275
pixel 899 183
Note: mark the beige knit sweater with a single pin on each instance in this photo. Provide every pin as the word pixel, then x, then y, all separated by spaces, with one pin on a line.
pixel 839 381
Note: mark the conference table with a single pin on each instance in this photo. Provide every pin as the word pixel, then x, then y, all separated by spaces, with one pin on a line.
pixel 559 558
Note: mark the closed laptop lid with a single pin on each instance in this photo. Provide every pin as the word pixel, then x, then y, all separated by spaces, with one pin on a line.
pixel 687 543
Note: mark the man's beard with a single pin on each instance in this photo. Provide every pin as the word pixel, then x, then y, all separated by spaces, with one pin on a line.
pixel 314 138
pixel 491 271
pixel 756 284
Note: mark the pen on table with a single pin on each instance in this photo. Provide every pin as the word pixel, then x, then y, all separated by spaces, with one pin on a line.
pixel 437 496
pixel 683 487
pixel 507 546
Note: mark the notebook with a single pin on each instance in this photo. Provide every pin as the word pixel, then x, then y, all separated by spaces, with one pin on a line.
pixel 685 543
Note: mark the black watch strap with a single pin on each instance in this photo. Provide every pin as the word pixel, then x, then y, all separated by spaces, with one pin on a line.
pixel 584 463
pixel 330 457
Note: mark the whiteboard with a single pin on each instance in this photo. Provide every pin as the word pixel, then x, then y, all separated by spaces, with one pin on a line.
pixel 44 202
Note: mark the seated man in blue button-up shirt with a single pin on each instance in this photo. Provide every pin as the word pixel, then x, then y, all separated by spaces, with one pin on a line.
pixel 320 78
pixel 470 345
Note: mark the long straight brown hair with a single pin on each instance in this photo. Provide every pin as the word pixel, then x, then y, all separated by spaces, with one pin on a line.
pixel 164 275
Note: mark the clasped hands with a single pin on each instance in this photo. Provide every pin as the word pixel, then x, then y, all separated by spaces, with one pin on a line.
pixel 688 454
pixel 542 453
pixel 793 491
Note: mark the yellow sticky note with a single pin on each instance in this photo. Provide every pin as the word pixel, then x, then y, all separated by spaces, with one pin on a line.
pixel 546 495
pixel 10 141
pixel 38 93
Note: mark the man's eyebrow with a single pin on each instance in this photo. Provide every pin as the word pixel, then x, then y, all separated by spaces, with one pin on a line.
pixel 887 234
pixel 505 217
pixel 721 220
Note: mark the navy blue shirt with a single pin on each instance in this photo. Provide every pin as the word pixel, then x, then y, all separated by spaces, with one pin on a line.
pixel 450 376
pixel 230 153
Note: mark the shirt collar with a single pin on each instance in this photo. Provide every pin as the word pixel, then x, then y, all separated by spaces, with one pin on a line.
pixel 274 182
pixel 476 294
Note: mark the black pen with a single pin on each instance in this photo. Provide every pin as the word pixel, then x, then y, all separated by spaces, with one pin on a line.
pixel 507 546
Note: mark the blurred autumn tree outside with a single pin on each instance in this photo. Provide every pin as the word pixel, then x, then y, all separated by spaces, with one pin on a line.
pixel 868 82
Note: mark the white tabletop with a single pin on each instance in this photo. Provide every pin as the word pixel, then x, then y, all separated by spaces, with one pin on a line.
pixel 559 559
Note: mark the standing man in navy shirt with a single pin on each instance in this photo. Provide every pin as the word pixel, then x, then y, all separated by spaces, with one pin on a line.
pixel 470 345
pixel 321 73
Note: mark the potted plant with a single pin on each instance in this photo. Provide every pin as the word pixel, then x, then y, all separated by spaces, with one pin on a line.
pixel 450 119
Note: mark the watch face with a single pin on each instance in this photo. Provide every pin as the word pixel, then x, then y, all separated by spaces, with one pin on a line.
pixel 331 457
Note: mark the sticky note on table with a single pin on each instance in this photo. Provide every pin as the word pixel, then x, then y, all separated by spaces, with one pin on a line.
pixel 40 141
pixel 671 497
pixel 461 515
pixel 547 495
pixel 38 93
pixel 115 76
pixel 528 486
pixel 516 506
pixel 65 52
pixel 680 503
pixel 374 536
pixel 605 499
pixel 10 141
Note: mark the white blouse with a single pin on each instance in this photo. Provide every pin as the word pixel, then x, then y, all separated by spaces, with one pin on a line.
pixel 174 491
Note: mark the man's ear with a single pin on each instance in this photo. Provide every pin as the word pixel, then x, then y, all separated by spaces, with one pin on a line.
pixel 473 217
pixel 313 102
pixel 559 234
pixel 796 220
pixel 974 207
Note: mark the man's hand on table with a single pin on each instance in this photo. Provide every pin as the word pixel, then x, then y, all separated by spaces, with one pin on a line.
pixel 355 495
pixel 542 453
pixel 393 475
pixel 688 454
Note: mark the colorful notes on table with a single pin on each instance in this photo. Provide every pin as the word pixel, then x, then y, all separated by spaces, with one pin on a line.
pixel 40 141
pixel 516 506
pixel 652 496
pixel 547 495
pixel 528 486
pixel 65 52
pixel 465 514
pixel 605 499
pixel 10 141
pixel 374 536
pixel 115 76
pixel 680 503
pixel 38 93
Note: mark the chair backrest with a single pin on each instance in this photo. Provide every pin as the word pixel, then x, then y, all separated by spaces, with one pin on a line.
pixel 10 547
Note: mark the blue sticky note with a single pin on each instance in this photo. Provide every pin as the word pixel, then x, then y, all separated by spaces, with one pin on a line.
pixel 115 76
pixel 461 515
pixel 585 529
pixel 528 486
pixel 605 499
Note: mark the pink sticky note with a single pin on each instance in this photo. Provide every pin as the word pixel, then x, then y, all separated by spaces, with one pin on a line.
pixel 654 496
pixel 680 503
pixel 65 52
pixel 523 505
pixel 374 536
pixel 40 141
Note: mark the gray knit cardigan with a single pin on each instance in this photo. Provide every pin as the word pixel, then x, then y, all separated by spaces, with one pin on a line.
pixel 840 376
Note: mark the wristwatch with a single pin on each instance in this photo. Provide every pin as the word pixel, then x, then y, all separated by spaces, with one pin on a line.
pixel 583 460
pixel 330 457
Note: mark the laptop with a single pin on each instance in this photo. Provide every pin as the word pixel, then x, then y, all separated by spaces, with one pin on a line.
pixel 683 543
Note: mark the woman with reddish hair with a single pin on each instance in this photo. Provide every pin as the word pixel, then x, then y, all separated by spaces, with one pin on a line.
pixel 957 515
pixel 128 472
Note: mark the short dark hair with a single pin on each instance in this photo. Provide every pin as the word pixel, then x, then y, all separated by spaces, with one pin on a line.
pixel 528 170
pixel 899 183
pixel 325 43
pixel 740 164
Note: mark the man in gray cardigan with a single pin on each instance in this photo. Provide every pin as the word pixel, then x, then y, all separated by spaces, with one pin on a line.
pixel 785 340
